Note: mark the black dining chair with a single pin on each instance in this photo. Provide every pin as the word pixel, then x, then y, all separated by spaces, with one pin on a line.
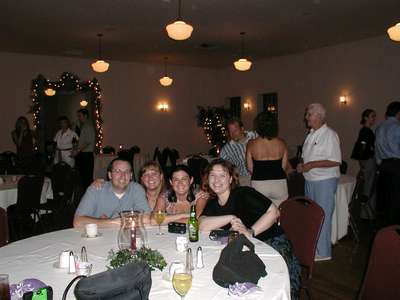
pixel 4 235
pixel 23 217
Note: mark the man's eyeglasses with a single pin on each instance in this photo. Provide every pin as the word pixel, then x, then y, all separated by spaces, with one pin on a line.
pixel 121 172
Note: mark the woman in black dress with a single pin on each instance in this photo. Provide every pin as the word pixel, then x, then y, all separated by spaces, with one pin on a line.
pixel 247 211
pixel 364 152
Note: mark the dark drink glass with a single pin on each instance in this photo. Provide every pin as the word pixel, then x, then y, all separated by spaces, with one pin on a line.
pixel 4 287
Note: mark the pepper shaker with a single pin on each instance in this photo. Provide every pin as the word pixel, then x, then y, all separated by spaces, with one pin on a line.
pixel 189 259
pixel 199 263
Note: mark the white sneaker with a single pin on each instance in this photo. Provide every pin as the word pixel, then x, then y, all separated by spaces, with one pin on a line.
pixel 322 258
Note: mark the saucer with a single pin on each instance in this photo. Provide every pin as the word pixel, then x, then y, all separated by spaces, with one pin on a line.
pixel 84 235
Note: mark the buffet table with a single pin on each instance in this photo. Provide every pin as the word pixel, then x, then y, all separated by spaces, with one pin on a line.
pixel 37 257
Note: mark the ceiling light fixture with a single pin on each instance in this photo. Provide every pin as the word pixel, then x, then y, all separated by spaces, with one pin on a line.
pixel 100 66
pixel 83 103
pixel 394 32
pixel 166 81
pixel 242 64
pixel 179 30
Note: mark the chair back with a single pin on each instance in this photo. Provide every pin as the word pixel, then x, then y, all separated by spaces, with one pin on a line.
pixel 62 182
pixel 29 192
pixel 301 219
pixel 4 236
pixel 197 165
pixel 381 280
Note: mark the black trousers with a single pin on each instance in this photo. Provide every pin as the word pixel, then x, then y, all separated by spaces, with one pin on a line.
pixel 85 165
pixel 389 190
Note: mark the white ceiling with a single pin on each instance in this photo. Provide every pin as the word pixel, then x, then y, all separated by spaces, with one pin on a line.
pixel 134 30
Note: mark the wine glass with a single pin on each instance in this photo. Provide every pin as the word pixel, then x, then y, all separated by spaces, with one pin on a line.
pixel 182 281
pixel 159 216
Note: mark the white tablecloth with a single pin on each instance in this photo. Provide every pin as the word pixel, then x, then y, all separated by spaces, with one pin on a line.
pixel 9 192
pixel 340 217
pixel 35 257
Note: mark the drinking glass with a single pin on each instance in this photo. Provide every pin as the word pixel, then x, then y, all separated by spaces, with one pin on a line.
pixel 159 216
pixel 182 281
pixel 4 287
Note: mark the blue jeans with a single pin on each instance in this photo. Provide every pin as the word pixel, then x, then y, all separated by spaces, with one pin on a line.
pixel 323 192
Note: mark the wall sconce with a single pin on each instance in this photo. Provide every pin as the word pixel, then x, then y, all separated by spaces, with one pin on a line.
pixel 343 100
pixel 83 103
pixel 50 92
pixel 271 108
pixel 246 106
pixel 163 107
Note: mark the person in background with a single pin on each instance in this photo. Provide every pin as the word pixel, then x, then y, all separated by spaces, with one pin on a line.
pixel 84 153
pixel 243 209
pixel 364 152
pixel 235 149
pixel 102 205
pixel 23 138
pixel 64 139
pixel 176 202
pixel 321 160
pixel 267 159
pixel 387 146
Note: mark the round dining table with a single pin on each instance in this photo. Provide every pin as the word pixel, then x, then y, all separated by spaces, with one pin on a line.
pixel 37 257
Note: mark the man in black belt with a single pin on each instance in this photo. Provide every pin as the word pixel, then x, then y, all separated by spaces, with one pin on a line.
pixel 387 146
pixel 87 140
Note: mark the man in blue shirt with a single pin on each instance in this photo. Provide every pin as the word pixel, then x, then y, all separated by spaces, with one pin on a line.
pixel 387 147
pixel 103 205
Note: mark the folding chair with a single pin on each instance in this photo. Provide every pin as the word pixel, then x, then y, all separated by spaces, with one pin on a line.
pixel 301 219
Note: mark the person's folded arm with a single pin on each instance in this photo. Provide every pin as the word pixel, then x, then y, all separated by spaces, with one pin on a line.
pixel 320 164
pixel 81 221
pixel 208 223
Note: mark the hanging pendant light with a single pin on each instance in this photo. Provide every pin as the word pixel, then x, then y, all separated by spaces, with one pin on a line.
pixel 179 30
pixel 100 66
pixel 242 64
pixel 166 81
pixel 394 32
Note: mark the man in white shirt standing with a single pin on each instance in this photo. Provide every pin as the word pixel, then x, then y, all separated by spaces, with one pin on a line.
pixel 321 160
pixel 64 139
pixel 235 150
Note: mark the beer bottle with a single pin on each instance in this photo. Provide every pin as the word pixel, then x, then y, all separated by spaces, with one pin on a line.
pixel 193 225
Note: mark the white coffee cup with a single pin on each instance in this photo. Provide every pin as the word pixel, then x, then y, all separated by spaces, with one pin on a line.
pixel 64 259
pixel 91 230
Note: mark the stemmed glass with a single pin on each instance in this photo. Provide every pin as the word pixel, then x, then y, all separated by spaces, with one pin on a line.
pixel 182 281
pixel 159 216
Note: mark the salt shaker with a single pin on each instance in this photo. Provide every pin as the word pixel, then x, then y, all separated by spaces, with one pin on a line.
pixel 189 259
pixel 199 263
pixel 72 267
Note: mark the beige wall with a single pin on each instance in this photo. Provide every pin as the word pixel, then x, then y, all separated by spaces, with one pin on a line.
pixel 367 71
pixel 131 93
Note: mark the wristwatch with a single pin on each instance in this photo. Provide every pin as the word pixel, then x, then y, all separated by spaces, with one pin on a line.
pixel 252 232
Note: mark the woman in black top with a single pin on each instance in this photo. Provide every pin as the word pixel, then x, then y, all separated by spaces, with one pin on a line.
pixel 364 152
pixel 247 211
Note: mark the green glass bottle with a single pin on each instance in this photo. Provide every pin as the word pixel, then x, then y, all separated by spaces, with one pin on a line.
pixel 193 225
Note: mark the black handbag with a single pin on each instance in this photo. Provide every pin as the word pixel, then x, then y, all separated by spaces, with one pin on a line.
pixel 235 265
pixel 130 282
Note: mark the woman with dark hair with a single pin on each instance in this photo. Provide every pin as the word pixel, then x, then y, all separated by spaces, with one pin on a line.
pixel 179 198
pixel 23 139
pixel 364 152
pixel 247 211
pixel 65 139
pixel 266 159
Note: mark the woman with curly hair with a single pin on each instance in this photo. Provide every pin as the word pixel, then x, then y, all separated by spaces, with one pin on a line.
pixel 266 159
pixel 247 211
